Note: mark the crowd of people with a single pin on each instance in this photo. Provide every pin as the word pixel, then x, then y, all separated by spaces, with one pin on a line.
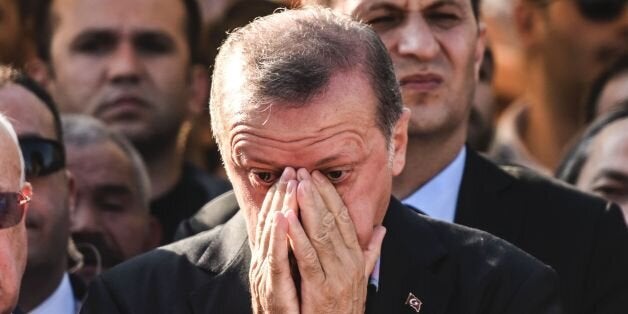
pixel 336 156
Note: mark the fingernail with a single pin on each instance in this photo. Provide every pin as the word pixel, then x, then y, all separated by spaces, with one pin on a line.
pixel 284 175
pixel 302 174
pixel 292 184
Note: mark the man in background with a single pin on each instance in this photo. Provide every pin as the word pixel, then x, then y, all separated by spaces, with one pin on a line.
pixel 565 46
pixel 135 66
pixel 15 194
pixel 111 221
pixel 46 285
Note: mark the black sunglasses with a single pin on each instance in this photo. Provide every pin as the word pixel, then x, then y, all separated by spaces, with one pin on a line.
pixel 601 10
pixel 41 156
pixel 12 206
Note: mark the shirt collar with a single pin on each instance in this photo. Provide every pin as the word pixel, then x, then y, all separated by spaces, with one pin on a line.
pixel 438 197
pixel 61 301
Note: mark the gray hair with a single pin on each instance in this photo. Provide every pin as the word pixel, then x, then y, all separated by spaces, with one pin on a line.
pixel 6 125
pixel 290 56
pixel 81 131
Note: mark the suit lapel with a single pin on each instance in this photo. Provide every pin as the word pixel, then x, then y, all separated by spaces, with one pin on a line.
pixel 411 263
pixel 227 259
pixel 480 203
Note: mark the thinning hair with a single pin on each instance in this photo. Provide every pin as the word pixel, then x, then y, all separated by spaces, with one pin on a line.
pixel 84 131
pixel 570 168
pixel 290 56
pixel 8 127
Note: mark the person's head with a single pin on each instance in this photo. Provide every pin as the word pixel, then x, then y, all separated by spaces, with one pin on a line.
pixel 14 196
pixel 38 127
pixel 130 63
pixel 570 43
pixel 436 49
pixel 112 202
pixel 309 89
pixel 609 90
pixel 598 163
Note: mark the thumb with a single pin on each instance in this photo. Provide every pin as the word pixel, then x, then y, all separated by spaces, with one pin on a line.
pixel 372 252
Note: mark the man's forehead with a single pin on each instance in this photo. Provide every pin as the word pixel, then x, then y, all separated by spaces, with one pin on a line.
pixel 357 6
pixel 9 162
pixel 120 15
pixel 29 115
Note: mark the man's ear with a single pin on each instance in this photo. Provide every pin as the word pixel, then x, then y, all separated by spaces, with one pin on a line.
pixel 480 46
pixel 39 71
pixel 199 90
pixel 71 191
pixel 399 140
pixel 529 24
pixel 27 190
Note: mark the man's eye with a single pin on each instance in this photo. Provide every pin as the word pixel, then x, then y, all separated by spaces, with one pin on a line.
pixel 336 176
pixel 383 22
pixel 265 177
pixel 443 19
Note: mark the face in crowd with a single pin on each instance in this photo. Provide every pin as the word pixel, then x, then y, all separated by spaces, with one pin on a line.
pixel 605 171
pixel 127 63
pixel 436 54
pixel 111 221
pixel 14 194
pixel 47 220
pixel 577 39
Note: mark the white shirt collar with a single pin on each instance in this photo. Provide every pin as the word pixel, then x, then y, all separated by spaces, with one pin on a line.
pixel 439 196
pixel 59 302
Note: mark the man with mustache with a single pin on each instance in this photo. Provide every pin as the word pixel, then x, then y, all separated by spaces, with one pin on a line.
pixel 111 221
pixel 135 65
pixel 46 285
pixel 308 117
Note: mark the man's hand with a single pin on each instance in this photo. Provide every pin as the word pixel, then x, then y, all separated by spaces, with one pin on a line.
pixel 272 287
pixel 334 269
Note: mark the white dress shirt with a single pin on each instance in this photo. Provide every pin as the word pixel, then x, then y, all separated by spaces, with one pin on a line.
pixel 59 302
pixel 439 196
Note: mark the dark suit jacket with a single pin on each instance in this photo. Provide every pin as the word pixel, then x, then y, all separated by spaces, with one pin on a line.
pixel 582 237
pixel 449 268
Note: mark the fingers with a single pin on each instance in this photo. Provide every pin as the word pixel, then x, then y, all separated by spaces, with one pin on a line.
pixel 277 256
pixel 373 250
pixel 263 212
pixel 304 253
pixel 319 223
pixel 273 201
pixel 336 205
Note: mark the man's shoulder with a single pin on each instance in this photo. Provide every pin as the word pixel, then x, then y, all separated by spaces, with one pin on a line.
pixel 162 280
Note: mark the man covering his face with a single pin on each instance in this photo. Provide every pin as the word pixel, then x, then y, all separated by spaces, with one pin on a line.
pixel 308 116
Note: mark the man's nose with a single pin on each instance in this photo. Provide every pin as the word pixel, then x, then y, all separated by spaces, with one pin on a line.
pixel 416 39
pixel 125 66
pixel 84 220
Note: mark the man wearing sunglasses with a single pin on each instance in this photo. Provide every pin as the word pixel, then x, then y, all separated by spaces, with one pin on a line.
pixel 46 285
pixel 566 45
pixel 15 193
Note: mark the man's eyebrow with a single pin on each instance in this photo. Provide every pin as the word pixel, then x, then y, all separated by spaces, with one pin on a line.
pixel 330 159
pixel 611 174
pixel 112 188
pixel 441 3
pixel 95 34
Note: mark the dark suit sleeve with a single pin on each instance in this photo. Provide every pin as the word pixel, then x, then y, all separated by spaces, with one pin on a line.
pixel 99 299
pixel 609 265
pixel 537 294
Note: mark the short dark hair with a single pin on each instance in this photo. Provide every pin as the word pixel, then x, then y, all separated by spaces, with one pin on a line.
pixel 11 75
pixel 570 168
pixel 619 67
pixel 44 25
pixel 289 57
